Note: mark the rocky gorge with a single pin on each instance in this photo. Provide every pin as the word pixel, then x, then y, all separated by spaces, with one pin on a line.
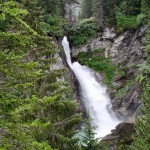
pixel 74 74
pixel 125 50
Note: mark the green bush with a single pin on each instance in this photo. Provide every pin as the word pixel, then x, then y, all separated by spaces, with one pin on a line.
pixel 127 17
pixel 99 63
pixel 82 33
pixel 140 18
pixel 129 22
pixel 3 24
pixel 121 73
pixel 53 25
pixel 120 93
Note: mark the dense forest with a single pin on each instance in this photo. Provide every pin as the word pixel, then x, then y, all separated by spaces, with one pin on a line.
pixel 37 109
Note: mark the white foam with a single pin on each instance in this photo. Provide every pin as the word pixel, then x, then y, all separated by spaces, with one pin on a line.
pixel 94 96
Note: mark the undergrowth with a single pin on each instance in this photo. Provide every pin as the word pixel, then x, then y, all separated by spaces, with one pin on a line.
pixel 99 63
pixel 82 33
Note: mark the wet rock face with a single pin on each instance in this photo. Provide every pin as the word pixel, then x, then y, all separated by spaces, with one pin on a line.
pixel 125 50
pixel 121 137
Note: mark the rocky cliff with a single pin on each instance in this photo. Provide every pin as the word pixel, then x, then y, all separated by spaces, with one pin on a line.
pixel 126 50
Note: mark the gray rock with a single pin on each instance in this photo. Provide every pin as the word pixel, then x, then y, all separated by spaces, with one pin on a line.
pixel 59 63
pixel 143 30
pixel 94 44
pixel 108 33
pixel 125 50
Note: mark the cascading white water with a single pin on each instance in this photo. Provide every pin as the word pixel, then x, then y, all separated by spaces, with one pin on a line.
pixel 65 44
pixel 94 96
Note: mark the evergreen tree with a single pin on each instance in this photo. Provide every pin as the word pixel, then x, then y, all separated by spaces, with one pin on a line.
pixel 87 9
pixel 99 13
pixel 89 142
pixel 36 110
pixel 53 7
pixel 109 7
pixel 145 8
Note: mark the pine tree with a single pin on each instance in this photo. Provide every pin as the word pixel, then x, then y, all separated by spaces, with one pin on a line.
pixel 89 142
pixel 87 9
pixel 99 13
pixel 53 7
pixel 109 7
pixel 36 110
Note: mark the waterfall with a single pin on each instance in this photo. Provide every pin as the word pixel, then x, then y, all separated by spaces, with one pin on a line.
pixel 65 44
pixel 94 95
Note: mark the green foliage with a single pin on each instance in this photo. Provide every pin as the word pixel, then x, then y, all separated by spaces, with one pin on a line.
pixel 120 93
pixel 88 21
pixel 114 12
pixel 53 7
pixel 87 9
pixel 82 33
pixel 142 137
pixel 53 25
pixel 132 7
pixel 36 110
pixel 41 146
pixel 10 9
pixel 121 73
pixel 140 18
pixel 125 20
pixel 145 5
pixel 96 61
pixel 109 7
pixel 35 14
pixel 89 142
pixel 3 24
pixel 53 22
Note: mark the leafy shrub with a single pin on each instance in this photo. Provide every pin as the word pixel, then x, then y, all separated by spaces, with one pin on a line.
pixel 45 27
pixel 125 17
pixel 120 93
pixel 53 25
pixel 121 73
pixel 82 33
pixel 140 18
pixel 97 62
pixel 3 24
pixel 127 22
